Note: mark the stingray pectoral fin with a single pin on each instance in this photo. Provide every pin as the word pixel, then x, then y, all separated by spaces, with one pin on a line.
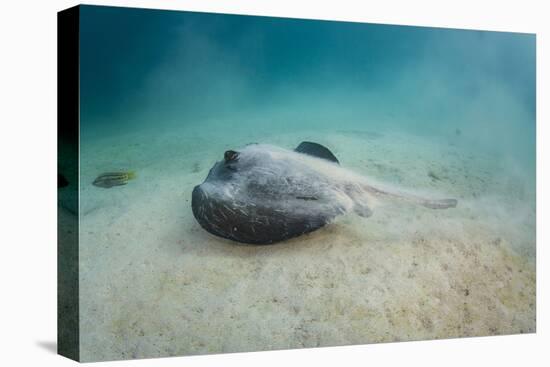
pixel 316 150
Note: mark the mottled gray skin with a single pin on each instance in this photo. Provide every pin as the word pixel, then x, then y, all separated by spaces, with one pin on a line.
pixel 262 198
pixel 264 194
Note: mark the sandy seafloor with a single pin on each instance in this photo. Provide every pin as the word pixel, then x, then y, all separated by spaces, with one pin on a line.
pixel 154 283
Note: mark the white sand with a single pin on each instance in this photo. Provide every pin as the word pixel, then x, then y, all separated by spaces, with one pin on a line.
pixel 154 283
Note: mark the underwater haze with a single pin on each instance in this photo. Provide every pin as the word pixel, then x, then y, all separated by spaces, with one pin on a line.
pixel 441 112
pixel 146 67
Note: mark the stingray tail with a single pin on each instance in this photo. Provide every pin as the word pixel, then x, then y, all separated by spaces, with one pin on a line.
pixel 425 202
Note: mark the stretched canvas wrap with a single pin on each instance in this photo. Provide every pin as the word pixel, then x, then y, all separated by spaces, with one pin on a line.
pixel 232 183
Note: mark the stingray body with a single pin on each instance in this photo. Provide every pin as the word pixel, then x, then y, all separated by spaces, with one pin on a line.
pixel 264 194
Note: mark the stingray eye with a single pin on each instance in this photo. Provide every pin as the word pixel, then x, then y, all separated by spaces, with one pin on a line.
pixel 230 155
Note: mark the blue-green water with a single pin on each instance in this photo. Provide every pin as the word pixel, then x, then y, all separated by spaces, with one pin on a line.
pixel 145 67
pixel 436 111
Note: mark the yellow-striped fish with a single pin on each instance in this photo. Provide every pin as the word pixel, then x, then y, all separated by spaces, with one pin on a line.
pixel 110 179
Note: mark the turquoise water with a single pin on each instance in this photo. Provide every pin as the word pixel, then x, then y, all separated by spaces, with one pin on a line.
pixel 441 112
pixel 141 68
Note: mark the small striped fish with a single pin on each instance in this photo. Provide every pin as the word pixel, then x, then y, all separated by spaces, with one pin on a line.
pixel 110 179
